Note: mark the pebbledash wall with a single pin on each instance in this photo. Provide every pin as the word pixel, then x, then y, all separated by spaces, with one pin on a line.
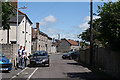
pixel 104 59
pixel 9 51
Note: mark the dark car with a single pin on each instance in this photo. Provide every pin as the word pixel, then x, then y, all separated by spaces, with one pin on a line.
pixel 70 55
pixel 39 58
pixel 5 63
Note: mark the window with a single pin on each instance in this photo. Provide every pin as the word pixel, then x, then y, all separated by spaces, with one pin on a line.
pixel 22 31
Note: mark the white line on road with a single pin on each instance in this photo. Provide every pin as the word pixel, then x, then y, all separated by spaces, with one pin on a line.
pixel 18 73
pixel 32 73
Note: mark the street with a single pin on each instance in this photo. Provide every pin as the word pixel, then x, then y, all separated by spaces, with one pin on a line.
pixel 59 69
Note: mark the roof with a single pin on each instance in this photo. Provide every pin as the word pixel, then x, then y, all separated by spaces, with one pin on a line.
pixel 72 42
pixel 40 32
pixel 21 15
pixel 49 38
pixel 55 43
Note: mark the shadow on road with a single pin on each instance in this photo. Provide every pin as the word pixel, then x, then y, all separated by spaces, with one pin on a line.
pixel 4 72
pixel 73 64
pixel 84 76
pixel 93 75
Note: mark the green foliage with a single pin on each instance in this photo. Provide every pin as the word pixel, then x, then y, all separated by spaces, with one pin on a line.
pixel 84 44
pixel 106 29
pixel 86 35
pixel 7 12
pixel 110 24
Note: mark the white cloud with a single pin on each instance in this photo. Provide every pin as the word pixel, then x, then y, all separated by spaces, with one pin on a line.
pixel 65 35
pixel 51 31
pixel 84 26
pixel 48 20
pixel 69 36
pixel 88 18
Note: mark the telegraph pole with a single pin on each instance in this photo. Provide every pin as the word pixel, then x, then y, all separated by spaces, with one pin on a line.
pixel 91 33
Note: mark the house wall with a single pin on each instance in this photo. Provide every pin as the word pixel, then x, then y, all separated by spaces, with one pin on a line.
pixel 63 46
pixel 49 46
pixel 3 33
pixel 12 32
pixel 28 37
pixel 21 34
pixel 53 49
pixel 75 47
pixel 42 42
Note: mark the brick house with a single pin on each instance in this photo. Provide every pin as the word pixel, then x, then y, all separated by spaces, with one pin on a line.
pixel 66 45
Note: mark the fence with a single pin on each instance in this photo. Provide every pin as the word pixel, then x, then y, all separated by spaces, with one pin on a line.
pixel 104 59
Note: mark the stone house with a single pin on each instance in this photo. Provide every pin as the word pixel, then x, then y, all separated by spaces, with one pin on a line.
pixel 24 31
pixel 49 49
pixel 66 45
pixel 40 40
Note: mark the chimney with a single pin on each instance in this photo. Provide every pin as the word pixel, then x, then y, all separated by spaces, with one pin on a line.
pixel 37 26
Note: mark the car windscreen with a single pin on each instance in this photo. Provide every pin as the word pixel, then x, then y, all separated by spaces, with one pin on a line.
pixel 41 53
pixel 1 54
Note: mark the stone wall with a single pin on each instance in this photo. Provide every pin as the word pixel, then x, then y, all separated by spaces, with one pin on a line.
pixel 9 51
pixel 63 46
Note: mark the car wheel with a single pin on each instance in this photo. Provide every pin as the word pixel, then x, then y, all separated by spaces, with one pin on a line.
pixel 63 57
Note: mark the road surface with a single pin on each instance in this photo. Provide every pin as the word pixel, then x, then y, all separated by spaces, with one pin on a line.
pixel 59 69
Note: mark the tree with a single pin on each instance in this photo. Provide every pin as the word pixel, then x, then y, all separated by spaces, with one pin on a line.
pixel 110 24
pixel 106 29
pixel 86 34
pixel 7 13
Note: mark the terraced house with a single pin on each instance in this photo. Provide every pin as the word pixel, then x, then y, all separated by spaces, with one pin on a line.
pixel 40 40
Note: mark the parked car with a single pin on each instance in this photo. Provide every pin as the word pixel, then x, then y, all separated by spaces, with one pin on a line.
pixel 70 55
pixel 39 58
pixel 5 63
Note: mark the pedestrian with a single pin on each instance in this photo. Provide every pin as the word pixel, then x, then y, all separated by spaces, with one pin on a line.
pixel 20 57
pixel 24 57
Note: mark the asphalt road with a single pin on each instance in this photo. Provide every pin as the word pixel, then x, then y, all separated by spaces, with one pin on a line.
pixel 59 69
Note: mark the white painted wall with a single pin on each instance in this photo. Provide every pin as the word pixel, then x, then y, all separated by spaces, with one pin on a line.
pixel 53 49
pixel 3 34
pixel 21 34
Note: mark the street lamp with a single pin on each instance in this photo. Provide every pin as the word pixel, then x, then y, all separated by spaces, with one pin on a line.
pixel 17 35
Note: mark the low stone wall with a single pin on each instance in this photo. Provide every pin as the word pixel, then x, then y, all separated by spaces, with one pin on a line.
pixel 9 51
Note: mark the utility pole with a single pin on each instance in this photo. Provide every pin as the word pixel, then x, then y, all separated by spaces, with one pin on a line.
pixel 91 33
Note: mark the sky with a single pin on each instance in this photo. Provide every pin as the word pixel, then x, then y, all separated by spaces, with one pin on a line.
pixel 65 18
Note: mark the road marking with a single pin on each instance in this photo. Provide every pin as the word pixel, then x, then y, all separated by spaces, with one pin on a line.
pixel 18 73
pixel 32 73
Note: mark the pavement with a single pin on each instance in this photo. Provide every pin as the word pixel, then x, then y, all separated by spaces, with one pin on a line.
pixel 59 69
